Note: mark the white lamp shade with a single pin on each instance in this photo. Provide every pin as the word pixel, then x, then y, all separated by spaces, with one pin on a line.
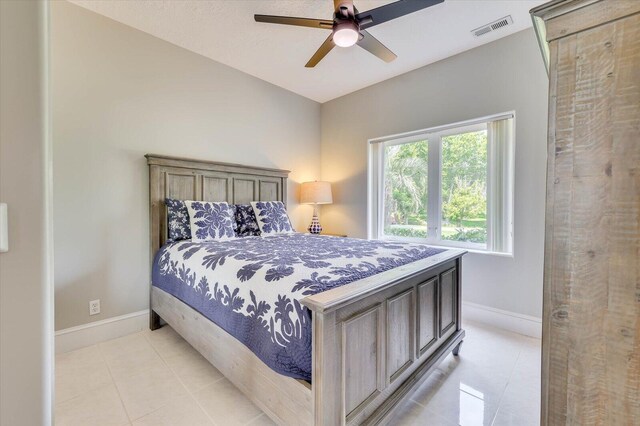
pixel 316 193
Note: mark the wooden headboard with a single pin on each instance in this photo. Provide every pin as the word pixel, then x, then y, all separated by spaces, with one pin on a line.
pixel 185 179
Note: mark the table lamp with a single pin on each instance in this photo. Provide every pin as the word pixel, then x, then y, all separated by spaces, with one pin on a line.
pixel 315 193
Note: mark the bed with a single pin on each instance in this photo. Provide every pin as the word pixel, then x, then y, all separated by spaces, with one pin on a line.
pixel 313 329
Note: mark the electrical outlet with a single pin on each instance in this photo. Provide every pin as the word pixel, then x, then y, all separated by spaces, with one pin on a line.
pixel 94 307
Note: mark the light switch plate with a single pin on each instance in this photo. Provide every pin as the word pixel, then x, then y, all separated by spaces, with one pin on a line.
pixel 4 229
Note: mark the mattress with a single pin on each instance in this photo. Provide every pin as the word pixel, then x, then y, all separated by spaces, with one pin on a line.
pixel 252 286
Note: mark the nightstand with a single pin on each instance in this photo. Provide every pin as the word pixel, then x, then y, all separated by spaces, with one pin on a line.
pixel 333 235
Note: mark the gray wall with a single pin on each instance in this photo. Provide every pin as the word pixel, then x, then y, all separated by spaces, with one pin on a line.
pixel 26 324
pixel 501 76
pixel 119 93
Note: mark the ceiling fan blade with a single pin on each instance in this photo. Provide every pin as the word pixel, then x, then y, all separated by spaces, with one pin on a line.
pixel 372 45
pixel 385 13
pixel 290 20
pixel 321 52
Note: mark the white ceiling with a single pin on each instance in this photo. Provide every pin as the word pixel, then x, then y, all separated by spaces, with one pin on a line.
pixel 224 30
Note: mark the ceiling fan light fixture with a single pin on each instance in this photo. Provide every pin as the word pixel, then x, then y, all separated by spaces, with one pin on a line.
pixel 349 27
pixel 346 34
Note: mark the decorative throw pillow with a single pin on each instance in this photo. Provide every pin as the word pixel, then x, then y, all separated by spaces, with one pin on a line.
pixel 177 220
pixel 246 223
pixel 272 217
pixel 210 221
pixel 234 223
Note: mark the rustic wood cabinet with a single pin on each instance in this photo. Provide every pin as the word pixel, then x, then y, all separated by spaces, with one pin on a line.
pixel 591 318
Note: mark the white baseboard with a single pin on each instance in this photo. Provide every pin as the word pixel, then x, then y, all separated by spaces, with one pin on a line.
pixel 93 333
pixel 512 321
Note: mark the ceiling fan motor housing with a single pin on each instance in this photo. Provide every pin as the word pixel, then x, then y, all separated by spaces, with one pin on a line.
pixel 346 32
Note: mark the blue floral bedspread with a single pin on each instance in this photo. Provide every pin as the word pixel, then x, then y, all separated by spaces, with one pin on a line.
pixel 252 286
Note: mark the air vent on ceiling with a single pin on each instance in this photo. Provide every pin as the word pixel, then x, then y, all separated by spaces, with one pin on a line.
pixel 495 25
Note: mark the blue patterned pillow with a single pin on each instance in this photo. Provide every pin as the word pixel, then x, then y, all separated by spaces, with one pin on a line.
pixel 272 217
pixel 246 223
pixel 234 223
pixel 210 221
pixel 177 220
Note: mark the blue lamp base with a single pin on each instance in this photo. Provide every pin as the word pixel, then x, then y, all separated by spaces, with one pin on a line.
pixel 315 227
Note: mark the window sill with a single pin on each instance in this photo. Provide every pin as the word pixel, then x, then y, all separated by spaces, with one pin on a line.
pixel 449 247
pixel 476 251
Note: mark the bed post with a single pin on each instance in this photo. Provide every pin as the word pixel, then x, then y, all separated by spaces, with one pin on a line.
pixel 154 231
pixel 326 382
pixel 456 349
pixel 154 320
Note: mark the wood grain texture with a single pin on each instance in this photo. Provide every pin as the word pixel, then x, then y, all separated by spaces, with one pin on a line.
pixel 269 189
pixel 448 305
pixel 427 315
pixel 244 191
pixel 401 329
pixel 587 14
pixel 328 390
pixel 194 164
pixel 591 317
pixel 361 362
pixel 215 188
pixel 549 258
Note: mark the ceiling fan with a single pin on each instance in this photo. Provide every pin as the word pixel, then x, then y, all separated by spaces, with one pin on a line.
pixel 349 26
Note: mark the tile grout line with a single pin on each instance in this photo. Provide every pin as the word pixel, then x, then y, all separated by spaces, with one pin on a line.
pixel 504 391
pixel 163 362
pixel 62 401
pixel 440 382
pixel 115 385
pixel 262 413
pixel 189 393
pixel 433 413
pixel 444 419
pixel 168 368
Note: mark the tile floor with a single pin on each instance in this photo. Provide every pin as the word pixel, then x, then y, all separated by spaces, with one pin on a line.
pixel 156 378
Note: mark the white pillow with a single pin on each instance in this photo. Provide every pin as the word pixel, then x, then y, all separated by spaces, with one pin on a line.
pixel 272 217
pixel 210 221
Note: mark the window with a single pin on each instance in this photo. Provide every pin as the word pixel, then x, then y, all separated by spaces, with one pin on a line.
pixel 451 185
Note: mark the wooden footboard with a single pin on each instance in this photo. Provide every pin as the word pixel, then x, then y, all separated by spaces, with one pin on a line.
pixel 375 340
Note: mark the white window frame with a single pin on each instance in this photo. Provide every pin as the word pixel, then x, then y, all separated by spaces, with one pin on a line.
pixel 434 135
